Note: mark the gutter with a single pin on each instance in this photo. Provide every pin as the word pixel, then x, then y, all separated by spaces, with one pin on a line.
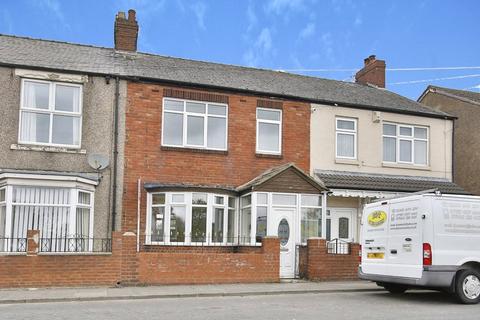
pixel 244 91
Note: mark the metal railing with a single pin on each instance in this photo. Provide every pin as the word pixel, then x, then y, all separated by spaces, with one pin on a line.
pixel 338 246
pixel 75 244
pixel 202 241
pixel 13 245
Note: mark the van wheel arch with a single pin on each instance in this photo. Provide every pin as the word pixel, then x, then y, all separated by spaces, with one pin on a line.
pixel 473 265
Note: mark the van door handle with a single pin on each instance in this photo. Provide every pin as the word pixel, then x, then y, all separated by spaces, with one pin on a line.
pixel 393 251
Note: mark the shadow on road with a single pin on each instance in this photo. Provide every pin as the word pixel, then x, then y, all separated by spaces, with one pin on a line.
pixel 419 296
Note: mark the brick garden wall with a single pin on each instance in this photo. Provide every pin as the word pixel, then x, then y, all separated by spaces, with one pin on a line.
pixel 315 263
pixel 195 265
pixel 59 270
pixel 124 265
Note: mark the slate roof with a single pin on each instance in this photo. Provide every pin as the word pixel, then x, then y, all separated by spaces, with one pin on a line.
pixel 383 182
pixel 45 54
pixel 272 172
pixel 465 95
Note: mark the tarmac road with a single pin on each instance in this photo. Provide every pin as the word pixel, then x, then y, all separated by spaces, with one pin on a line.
pixel 331 306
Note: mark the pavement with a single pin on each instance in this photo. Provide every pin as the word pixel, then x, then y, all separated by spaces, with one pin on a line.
pixel 43 295
pixel 374 305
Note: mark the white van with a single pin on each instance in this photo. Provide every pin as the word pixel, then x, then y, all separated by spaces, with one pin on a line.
pixel 423 240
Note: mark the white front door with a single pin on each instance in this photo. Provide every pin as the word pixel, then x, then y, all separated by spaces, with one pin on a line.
pixel 340 224
pixel 285 229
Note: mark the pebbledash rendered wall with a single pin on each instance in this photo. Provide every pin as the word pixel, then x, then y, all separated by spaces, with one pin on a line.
pixel 125 266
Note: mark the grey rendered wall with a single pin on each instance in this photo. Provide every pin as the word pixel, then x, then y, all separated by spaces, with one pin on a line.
pixel 97 137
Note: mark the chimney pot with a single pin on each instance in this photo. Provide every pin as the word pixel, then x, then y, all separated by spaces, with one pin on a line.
pixel 126 31
pixel 131 15
pixel 373 72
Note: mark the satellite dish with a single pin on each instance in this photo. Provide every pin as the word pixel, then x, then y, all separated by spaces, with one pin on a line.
pixel 97 161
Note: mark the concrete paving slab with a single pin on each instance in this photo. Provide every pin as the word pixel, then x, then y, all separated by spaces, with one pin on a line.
pixel 37 295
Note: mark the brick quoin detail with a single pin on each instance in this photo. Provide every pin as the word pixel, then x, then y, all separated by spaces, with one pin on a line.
pixel 146 159
pixel 318 265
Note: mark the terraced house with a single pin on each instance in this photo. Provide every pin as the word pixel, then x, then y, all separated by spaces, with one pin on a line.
pixel 195 172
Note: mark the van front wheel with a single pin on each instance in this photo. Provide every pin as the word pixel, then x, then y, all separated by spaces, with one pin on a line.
pixel 395 288
pixel 467 286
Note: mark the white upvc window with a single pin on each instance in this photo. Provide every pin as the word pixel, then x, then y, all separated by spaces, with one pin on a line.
pixel 184 218
pixel 405 144
pixel 346 138
pixel 63 215
pixel 194 124
pixel 261 214
pixel 269 131
pixel 311 216
pixel 50 113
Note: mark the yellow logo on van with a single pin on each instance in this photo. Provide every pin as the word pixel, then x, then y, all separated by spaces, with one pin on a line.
pixel 377 218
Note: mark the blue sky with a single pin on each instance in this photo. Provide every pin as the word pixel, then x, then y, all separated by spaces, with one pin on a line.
pixel 279 34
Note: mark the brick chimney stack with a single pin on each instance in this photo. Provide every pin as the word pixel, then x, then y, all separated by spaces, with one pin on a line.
pixel 373 72
pixel 126 31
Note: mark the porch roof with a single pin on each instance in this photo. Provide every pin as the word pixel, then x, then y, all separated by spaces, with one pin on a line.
pixel 259 183
pixel 384 182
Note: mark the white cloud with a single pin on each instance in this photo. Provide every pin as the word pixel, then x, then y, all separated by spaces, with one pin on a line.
pixel 358 21
pixel 308 31
pixel 251 17
pixel 327 44
pixel 199 9
pixel 53 6
pixel 262 48
pixel 281 6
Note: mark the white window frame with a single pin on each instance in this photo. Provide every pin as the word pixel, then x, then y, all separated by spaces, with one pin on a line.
pixel 278 122
pixel 205 117
pixel 73 189
pixel 188 218
pixel 312 207
pixel 398 137
pixel 346 132
pixel 51 112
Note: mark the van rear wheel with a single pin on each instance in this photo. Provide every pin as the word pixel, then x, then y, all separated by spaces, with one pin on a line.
pixel 467 286
pixel 395 288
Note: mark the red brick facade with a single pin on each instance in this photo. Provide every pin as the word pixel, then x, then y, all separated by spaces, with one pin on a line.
pixel 145 158
pixel 317 264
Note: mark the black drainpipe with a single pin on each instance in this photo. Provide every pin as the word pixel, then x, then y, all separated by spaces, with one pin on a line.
pixel 115 152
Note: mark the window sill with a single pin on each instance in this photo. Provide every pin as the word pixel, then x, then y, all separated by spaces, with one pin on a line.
pixel 25 147
pixel 268 155
pixel 405 166
pixel 347 161
pixel 182 149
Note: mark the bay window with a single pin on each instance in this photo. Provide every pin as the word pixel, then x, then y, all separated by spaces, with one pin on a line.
pixel 194 218
pixel 50 113
pixel 346 138
pixel 405 144
pixel 194 124
pixel 60 214
pixel 262 210
pixel 311 217
pixel 269 131
pixel 245 219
